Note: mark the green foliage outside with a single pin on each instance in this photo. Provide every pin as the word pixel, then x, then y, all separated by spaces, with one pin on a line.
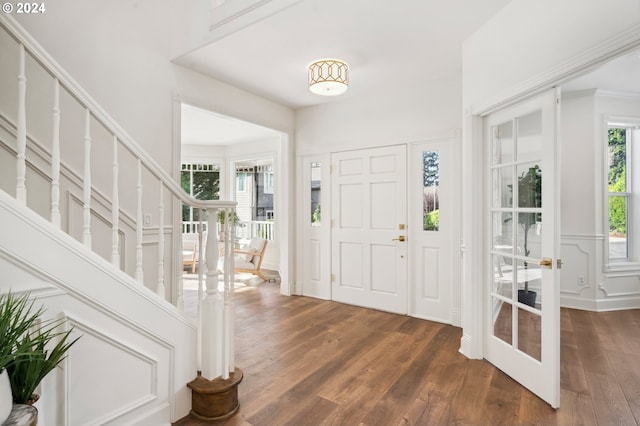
pixel 432 221
pixel 617 155
pixel 618 207
pixel 316 215
pixel 206 186
pixel 617 181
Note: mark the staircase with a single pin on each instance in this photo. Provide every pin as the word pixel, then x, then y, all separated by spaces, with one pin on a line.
pixel 75 190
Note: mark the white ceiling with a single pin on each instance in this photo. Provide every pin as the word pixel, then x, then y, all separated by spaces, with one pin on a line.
pixel 265 49
pixel 619 75
pixel 385 43
pixel 202 127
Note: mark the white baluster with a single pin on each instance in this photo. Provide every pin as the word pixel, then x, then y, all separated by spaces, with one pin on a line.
pixel 87 180
pixel 161 290
pixel 21 135
pixel 55 158
pixel 115 209
pixel 139 224
pixel 212 307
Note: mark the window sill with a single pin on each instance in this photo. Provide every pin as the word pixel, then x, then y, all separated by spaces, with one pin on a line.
pixel 622 267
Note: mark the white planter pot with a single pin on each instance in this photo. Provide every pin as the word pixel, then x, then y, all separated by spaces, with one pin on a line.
pixel 6 399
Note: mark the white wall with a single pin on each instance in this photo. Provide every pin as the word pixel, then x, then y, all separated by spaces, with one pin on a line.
pixel 394 115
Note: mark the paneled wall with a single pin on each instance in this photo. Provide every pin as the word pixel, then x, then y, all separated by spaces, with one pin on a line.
pixel 586 282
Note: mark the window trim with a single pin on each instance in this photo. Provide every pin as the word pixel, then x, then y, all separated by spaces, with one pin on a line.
pixel 630 262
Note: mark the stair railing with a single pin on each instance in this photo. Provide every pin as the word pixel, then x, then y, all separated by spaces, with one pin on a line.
pixel 216 309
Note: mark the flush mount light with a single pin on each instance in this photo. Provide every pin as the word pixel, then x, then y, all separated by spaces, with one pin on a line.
pixel 328 77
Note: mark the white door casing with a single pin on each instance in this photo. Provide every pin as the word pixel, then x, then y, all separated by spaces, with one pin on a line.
pixel 368 208
pixel 431 247
pixel 522 329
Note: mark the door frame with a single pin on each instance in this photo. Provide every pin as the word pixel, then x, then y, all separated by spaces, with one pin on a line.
pixel 472 247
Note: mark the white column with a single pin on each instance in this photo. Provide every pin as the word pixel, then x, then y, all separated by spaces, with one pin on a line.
pixel 86 235
pixel 115 209
pixel 229 307
pixel 55 158
pixel 21 135
pixel 160 290
pixel 139 224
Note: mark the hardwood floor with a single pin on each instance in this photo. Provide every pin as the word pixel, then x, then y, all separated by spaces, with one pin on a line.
pixel 313 362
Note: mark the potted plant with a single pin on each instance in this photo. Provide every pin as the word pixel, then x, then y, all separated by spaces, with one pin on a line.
pixel 529 195
pixel 38 347
pixel 15 321
pixel 221 220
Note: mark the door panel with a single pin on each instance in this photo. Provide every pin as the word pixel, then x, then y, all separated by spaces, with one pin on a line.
pixel 522 311
pixel 316 248
pixel 368 208
pixel 431 231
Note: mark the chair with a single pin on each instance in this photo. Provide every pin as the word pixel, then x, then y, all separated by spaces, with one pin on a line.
pixel 249 259
pixel 189 252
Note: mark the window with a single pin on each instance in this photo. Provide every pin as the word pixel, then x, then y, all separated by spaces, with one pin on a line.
pixel 618 191
pixel 268 183
pixel 202 181
pixel 622 193
pixel 431 183
pixel 241 182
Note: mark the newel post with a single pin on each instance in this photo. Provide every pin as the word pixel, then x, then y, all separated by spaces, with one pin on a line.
pixel 214 392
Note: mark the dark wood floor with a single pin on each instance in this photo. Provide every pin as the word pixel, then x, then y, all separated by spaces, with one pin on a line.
pixel 314 362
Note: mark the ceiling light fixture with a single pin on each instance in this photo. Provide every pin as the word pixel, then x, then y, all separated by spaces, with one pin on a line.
pixel 328 77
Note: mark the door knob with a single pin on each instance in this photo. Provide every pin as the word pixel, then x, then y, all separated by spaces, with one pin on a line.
pixel 400 238
pixel 545 262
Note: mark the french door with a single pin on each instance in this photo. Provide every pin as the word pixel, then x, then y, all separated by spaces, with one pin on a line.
pixel 522 297
pixel 368 233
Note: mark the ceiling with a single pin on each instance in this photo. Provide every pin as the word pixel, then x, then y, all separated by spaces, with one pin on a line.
pixel 386 44
pixel 203 127
pixel 266 48
pixel 619 75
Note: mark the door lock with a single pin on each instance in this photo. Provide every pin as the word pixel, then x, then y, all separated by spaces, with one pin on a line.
pixel 400 238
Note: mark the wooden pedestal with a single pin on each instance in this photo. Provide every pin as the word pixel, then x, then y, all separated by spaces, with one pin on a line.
pixel 217 399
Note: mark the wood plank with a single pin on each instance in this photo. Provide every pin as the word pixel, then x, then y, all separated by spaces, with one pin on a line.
pixel 609 402
pixel 575 409
pixel 625 367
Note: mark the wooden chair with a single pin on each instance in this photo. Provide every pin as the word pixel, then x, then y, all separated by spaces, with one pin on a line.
pixel 189 253
pixel 249 259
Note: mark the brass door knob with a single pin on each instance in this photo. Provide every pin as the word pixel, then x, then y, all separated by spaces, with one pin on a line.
pixel 545 262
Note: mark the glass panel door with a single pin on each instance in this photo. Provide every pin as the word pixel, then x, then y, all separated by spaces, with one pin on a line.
pixel 522 305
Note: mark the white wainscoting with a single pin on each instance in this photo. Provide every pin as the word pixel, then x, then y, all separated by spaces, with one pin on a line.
pixel 585 284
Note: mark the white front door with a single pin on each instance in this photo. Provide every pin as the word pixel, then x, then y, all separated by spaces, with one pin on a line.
pixel 522 297
pixel 431 224
pixel 368 234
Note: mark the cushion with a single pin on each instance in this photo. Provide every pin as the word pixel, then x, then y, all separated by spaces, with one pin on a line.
pixel 249 256
pixel 243 264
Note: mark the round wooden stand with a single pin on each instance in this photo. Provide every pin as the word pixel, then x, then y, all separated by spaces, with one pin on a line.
pixel 217 399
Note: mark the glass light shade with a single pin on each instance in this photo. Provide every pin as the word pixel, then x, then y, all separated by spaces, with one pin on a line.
pixel 328 77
